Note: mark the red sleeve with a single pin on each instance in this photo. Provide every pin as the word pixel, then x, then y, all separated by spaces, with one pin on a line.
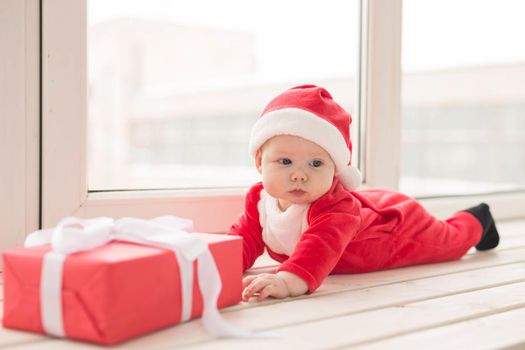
pixel 249 228
pixel 333 222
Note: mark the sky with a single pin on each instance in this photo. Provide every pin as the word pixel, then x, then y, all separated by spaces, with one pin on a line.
pixel 294 36
pixel 291 36
pixel 457 33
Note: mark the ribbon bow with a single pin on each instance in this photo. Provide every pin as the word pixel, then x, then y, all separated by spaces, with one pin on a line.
pixel 73 235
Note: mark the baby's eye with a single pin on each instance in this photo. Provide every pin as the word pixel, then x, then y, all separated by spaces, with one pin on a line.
pixel 285 161
pixel 316 163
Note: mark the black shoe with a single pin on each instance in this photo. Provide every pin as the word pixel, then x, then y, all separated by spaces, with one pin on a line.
pixel 490 237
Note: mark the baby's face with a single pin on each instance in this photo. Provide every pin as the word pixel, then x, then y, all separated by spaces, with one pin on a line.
pixel 294 170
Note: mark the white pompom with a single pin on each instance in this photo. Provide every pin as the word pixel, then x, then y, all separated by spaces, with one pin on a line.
pixel 350 177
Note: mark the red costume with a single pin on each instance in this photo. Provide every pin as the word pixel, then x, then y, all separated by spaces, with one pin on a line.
pixel 345 231
pixel 360 231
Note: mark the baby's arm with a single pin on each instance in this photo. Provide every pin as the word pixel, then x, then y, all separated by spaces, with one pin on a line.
pixel 280 285
pixel 249 228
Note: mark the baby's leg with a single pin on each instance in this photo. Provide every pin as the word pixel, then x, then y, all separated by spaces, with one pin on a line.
pixel 460 232
pixel 422 238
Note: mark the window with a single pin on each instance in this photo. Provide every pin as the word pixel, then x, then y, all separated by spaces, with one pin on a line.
pixel 155 119
pixel 175 86
pixel 463 99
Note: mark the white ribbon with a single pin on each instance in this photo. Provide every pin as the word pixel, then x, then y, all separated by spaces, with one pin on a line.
pixel 74 235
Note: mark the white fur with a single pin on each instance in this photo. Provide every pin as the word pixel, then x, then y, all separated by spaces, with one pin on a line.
pixel 350 177
pixel 298 122
pixel 281 230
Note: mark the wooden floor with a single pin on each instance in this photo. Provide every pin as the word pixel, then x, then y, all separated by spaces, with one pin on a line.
pixel 475 303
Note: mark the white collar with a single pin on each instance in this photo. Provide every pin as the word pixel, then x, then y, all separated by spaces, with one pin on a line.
pixel 281 229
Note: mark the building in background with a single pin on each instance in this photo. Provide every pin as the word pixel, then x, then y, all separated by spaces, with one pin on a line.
pixel 164 116
pixel 464 130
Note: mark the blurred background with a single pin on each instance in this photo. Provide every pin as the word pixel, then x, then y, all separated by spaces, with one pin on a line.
pixel 175 86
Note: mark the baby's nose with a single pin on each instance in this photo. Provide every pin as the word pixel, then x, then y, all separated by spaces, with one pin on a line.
pixel 299 175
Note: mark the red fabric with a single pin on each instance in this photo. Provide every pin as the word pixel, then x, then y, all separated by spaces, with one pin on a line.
pixel 361 231
pixel 115 292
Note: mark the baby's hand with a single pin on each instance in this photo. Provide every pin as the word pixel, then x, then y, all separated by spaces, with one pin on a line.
pixel 280 285
pixel 265 284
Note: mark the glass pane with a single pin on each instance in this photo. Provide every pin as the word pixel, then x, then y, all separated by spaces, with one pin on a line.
pixel 175 86
pixel 463 102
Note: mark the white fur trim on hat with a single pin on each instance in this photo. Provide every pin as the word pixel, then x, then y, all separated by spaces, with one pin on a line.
pixel 350 177
pixel 298 122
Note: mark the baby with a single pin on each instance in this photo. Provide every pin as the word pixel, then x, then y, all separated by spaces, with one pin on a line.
pixel 309 216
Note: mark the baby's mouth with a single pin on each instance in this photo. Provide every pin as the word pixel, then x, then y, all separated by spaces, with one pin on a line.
pixel 297 192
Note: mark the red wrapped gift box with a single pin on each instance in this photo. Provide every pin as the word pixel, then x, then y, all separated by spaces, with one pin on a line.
pixel 116 292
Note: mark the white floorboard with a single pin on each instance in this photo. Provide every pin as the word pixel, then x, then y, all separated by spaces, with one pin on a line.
pixel 356 329
pixel 401 308
pixel 501 330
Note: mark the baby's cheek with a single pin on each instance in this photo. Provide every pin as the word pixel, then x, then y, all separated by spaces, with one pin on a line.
pixel 271 190
pixel 271 184
pixel 323 189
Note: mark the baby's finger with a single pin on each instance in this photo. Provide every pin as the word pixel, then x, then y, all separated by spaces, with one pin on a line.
pixel 265 292
pixel 254 287
pixel 249 291
pixel 247 280
pixel 246 295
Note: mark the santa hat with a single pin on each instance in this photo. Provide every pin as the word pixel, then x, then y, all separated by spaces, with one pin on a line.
pixel 309 111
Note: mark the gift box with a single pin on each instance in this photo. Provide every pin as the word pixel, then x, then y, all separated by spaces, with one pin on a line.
pixel 117 291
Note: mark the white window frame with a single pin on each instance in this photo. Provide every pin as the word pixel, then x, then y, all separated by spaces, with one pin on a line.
pixel 64 183
pixel 19 120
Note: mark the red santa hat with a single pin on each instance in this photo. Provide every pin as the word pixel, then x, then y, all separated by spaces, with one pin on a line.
pixel 309 111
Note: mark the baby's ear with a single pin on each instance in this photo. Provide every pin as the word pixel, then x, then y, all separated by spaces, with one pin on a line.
pixel 258 160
